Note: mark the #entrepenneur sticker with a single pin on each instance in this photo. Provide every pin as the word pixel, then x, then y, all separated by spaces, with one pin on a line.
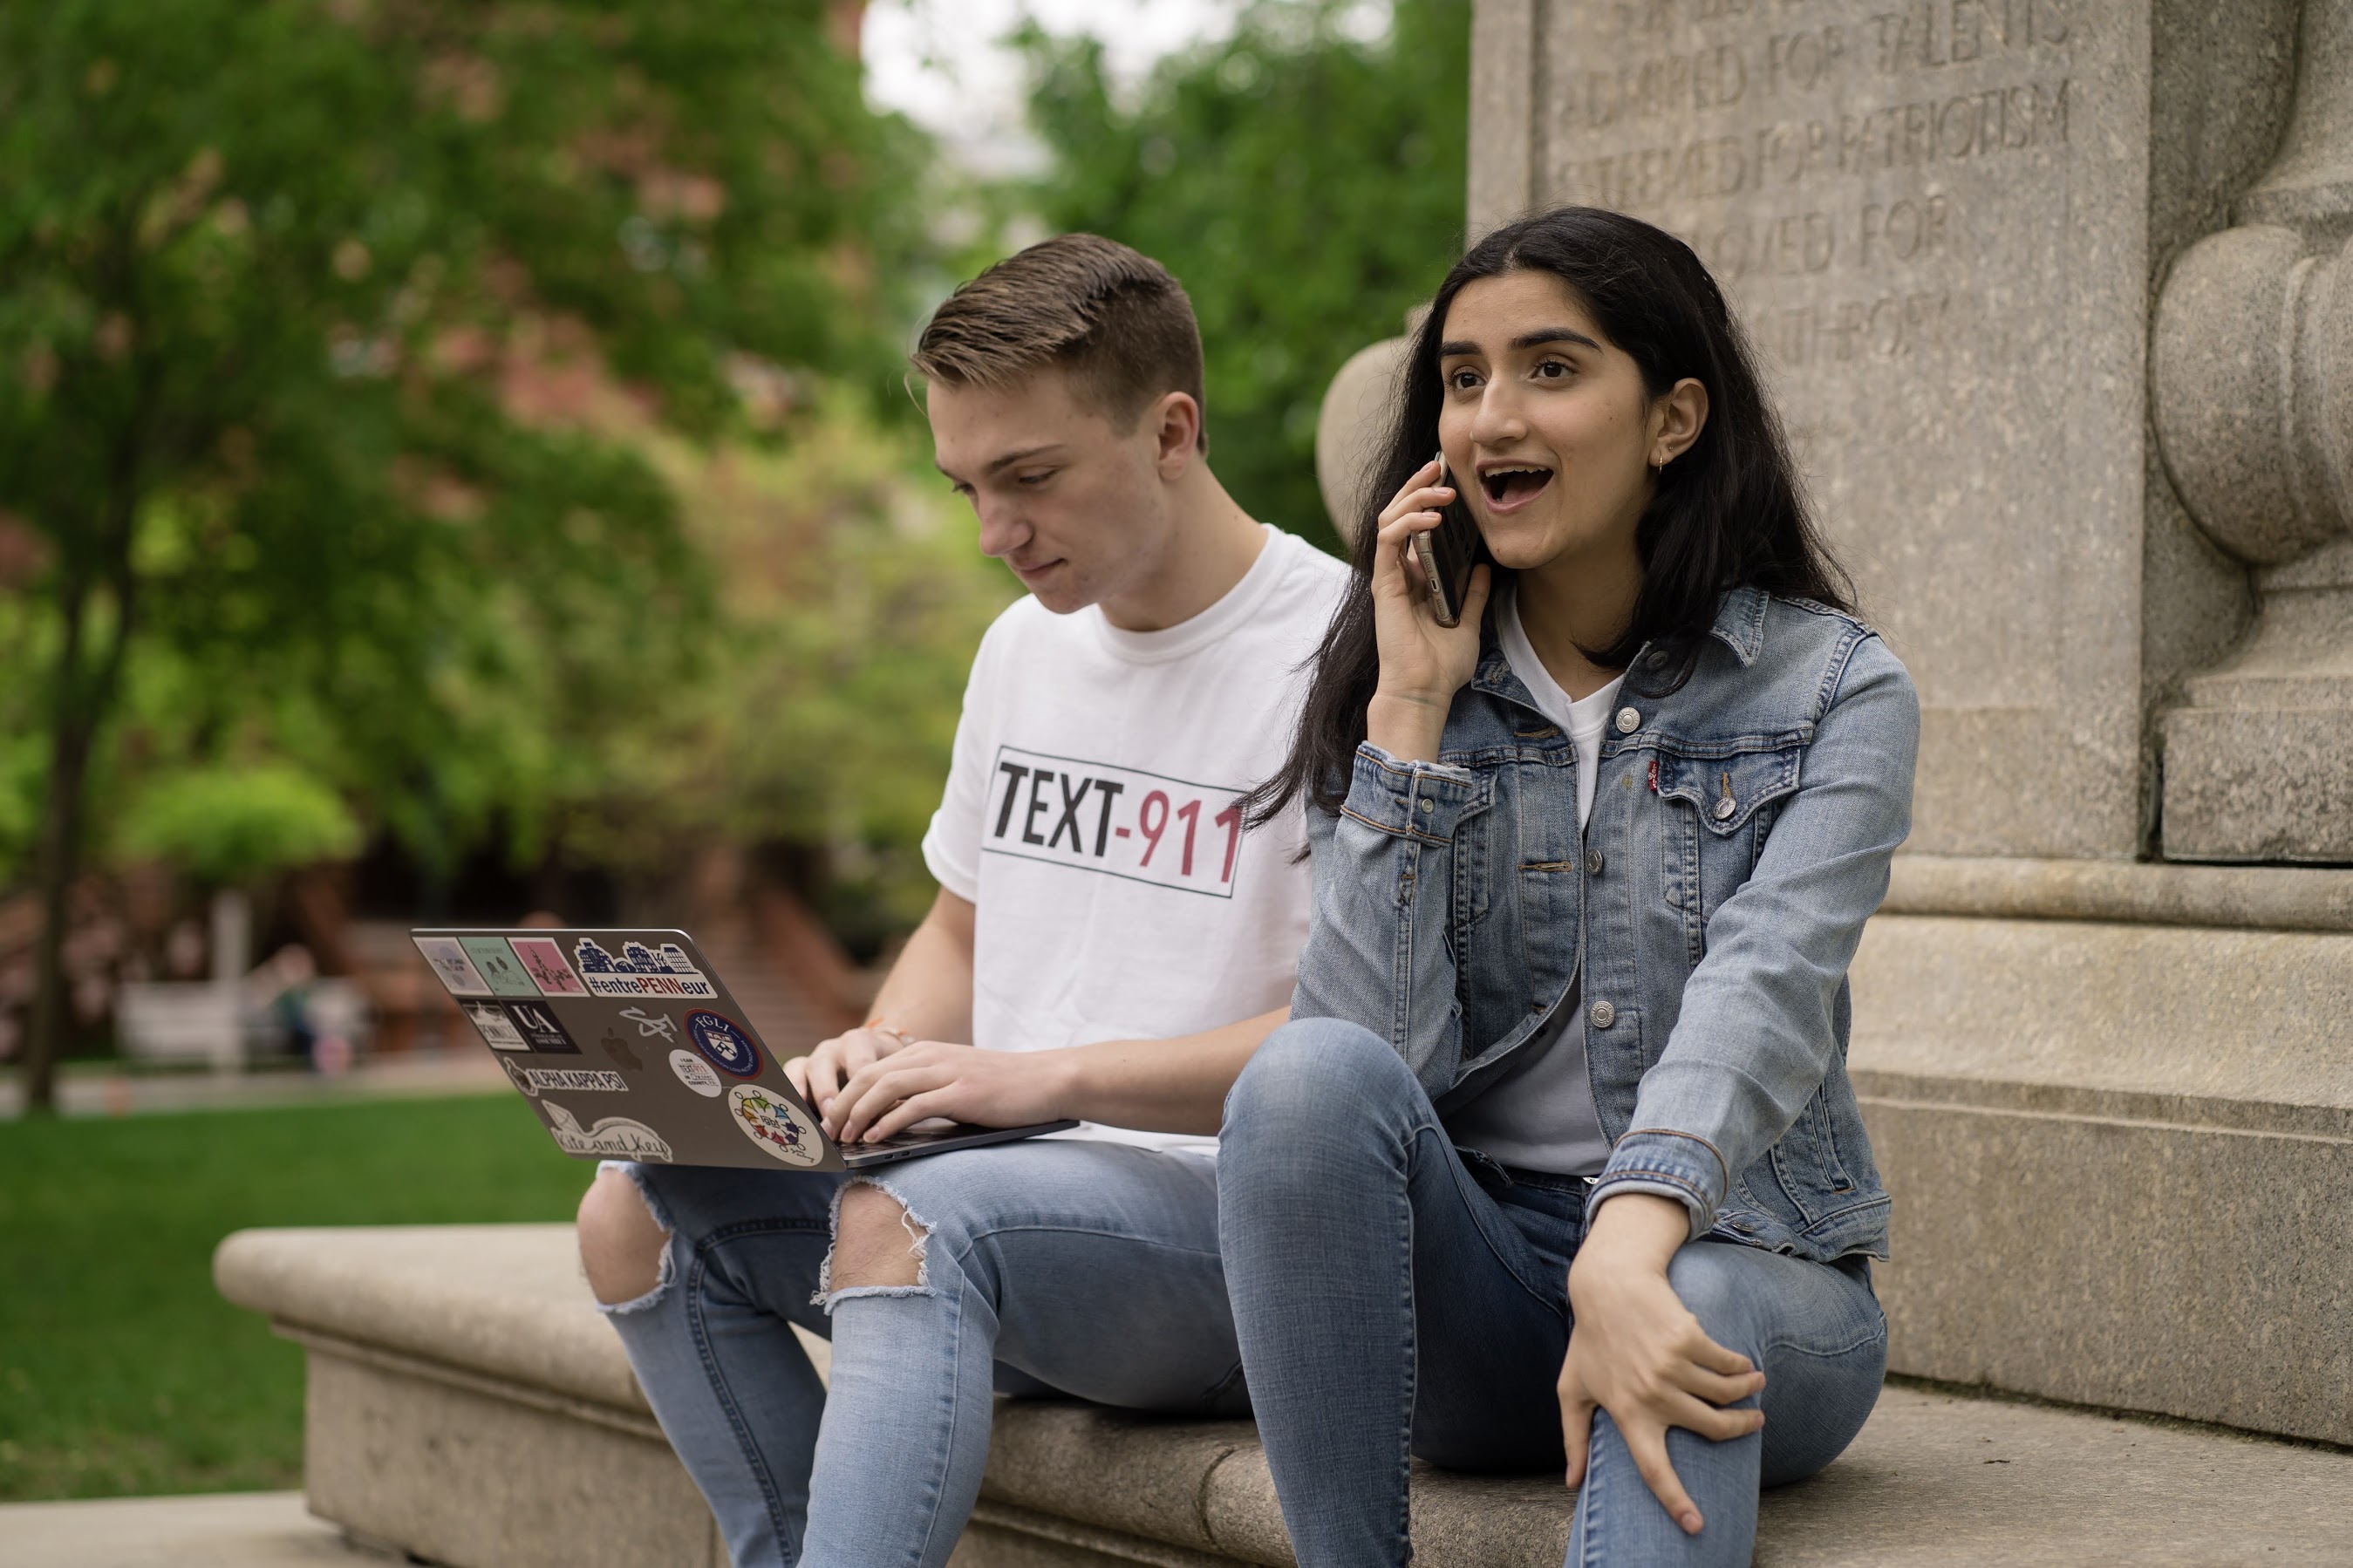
pixel 542 958
pixel 490 1022
pixel 452 966
pixel 639 971
pixel 780 1129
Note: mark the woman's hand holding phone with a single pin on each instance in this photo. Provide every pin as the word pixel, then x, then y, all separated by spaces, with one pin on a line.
pixel 1423 664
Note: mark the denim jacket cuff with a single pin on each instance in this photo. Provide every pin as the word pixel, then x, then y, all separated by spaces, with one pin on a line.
pixel 1673 1164
pixel 1408 800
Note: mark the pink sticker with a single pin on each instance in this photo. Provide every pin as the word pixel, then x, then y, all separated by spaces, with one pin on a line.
pixel 542 959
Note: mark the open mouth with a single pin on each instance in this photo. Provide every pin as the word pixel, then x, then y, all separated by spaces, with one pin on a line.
pixel 1508 488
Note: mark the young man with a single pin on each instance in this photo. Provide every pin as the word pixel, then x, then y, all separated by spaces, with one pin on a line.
pixel 1107 944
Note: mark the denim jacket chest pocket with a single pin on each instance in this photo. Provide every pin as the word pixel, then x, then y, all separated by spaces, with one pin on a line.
pixel 1718 802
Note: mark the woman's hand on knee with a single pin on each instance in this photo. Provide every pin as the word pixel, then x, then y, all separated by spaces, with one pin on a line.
pixel 1635 1350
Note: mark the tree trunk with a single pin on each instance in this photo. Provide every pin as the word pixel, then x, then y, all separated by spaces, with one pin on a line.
pixel 60 835
pixel 80 701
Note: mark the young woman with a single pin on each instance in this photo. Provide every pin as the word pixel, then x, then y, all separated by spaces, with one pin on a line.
pixel 1557 1159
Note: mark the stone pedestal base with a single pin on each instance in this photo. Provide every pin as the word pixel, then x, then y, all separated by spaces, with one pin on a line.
pixel 2259 765
pixel 2117 1149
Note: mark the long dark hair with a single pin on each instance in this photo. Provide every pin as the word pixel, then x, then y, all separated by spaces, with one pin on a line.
pixel 1728 512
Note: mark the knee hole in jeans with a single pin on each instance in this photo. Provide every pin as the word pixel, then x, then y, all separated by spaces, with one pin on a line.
pixel 877 1243
pixel 624 1249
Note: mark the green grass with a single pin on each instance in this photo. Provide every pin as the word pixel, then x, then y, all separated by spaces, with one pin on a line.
pixel 122 1371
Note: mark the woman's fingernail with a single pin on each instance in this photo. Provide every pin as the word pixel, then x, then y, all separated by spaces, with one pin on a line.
pixel 1691 1524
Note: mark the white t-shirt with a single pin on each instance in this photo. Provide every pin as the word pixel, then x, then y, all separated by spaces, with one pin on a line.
pixel 1535 1109
pixel 1091 816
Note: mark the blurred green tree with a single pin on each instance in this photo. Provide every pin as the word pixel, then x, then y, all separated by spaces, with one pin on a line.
pixel 298 299
pixel 1306 184
pixel 233 824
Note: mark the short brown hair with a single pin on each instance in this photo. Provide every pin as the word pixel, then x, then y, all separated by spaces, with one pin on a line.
pixel 1112 318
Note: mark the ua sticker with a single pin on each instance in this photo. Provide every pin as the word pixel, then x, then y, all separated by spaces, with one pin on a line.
pixel 776 1125
pixel 613 1137
pixel 490 1022
pixel 723 1041
pixel 543 960
pixel 639 971
pixel 497 964
pixel 452 966
pixel 535 1022
pixel 695 1073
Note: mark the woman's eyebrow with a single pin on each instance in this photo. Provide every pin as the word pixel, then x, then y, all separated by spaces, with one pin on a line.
pixel 1543 335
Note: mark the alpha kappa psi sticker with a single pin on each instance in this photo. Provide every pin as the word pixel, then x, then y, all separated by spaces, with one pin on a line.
pixel 724 1041
pixel 776 1125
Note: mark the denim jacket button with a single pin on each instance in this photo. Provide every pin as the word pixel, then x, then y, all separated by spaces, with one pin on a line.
pixel 1725 809
pixel 1603 1014
pixel 1427 804
pixel 1594 861
pixel 1629 720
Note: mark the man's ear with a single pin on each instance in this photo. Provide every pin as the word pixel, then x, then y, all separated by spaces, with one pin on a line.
pixel 1175 421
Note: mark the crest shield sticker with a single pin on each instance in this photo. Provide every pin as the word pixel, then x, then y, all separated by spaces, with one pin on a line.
pixel 724 1043
pixel 776 1125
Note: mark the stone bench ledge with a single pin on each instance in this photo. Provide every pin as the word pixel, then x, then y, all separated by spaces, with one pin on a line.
pixel 469 1405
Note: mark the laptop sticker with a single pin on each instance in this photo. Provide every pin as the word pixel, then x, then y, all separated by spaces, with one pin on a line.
pixel 639 971
pixel 522 1078
pixel 490 1022
pixel 542 959
pixel 618 1049
pixel 497 964
pixel 695 1073
pixel 724 1043
pixel 579 1080
pixel 613 1137
pixel 651 1024
pixel 452 966
pixel 536 1023
pixel 773 1124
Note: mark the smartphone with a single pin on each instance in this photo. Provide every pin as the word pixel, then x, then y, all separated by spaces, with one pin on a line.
pixel 1448 553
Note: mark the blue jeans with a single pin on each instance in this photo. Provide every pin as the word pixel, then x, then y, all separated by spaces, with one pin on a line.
pixel 1396 1299
pixel 1061 1267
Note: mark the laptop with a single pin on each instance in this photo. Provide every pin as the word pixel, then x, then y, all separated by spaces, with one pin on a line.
pixel 628 1045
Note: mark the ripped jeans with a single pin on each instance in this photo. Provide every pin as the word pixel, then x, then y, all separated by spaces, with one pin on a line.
pixel 1051 1267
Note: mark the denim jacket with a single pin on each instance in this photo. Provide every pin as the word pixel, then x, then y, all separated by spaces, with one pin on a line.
pixel 1739 837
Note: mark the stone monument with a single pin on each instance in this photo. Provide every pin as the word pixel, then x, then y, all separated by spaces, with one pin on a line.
pixel 2049 291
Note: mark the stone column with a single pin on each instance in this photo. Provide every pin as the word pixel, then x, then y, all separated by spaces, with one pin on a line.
pixel 2252 374
pixel 1940 220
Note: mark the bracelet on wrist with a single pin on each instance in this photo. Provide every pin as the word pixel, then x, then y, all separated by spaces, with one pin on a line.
pixel 879 1027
